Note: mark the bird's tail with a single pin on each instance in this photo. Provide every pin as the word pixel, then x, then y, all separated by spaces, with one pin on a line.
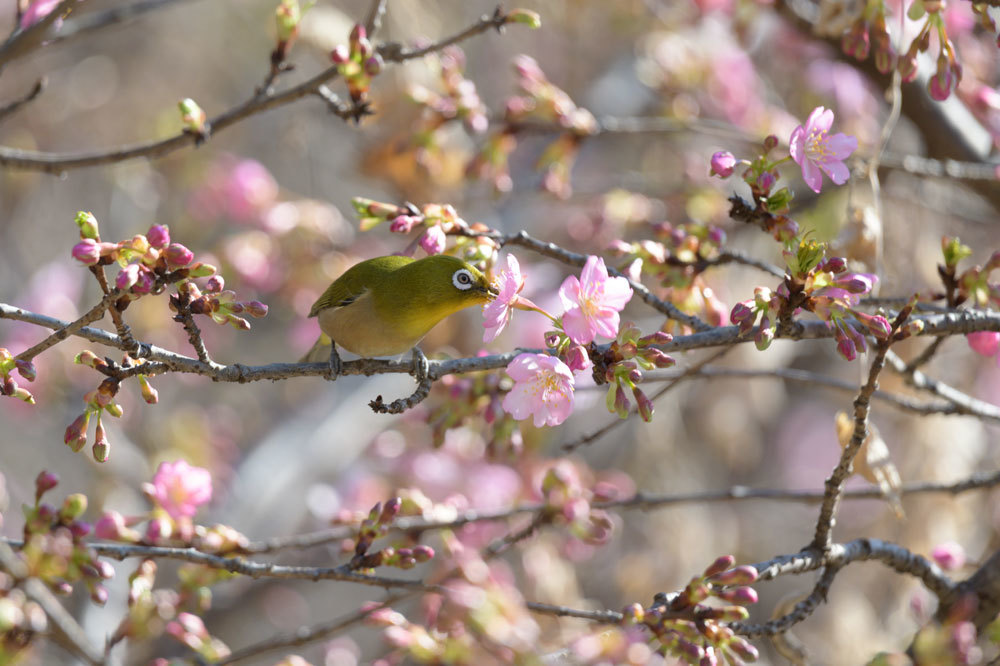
pixel 320 351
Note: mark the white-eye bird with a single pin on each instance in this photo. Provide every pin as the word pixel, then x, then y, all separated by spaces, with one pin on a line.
pixel 386 305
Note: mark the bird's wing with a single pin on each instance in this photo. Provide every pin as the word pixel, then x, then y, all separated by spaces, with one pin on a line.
pixel 354 283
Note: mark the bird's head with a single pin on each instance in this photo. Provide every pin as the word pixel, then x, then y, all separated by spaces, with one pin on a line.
pixel 447 279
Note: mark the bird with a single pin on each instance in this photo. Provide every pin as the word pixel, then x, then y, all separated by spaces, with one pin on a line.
pixel 386 305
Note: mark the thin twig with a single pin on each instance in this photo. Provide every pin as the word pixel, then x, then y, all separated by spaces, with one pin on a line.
pixel 902 402
pixel 69 329
pixel 373 23
pixel 835 482
pixel 964 403
pixel 12 106
pixel 24 41
pixel 392 52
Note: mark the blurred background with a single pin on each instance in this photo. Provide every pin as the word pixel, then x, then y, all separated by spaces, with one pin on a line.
pixel 268 201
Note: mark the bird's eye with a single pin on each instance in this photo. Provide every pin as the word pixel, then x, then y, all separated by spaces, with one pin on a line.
pixel 462 279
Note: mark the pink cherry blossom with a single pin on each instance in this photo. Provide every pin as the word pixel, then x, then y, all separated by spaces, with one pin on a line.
pixel 723 164
pixel 497 312
pixel 543 388
pixel 816 151
pixel 593 302
pixel 180 488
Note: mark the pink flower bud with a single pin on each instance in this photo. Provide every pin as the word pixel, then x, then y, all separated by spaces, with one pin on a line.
pixel 76 433
pixel 578 359
pixel 340 54
pixel 403 224
pixel 433 240
pixel 723 563
pixel 741 575
pixel 847 349
pixel 423 553
pixel 44 482
pixel 986 343
pixel 157 530
pixel 723 163
pixel 144 280
pixel 256 309
pixel 127 277
pixel 739 595
pixel 178 256
pixel 949 555
pixel 373 65
pixel 99 594
pixel 159 236
pixel 215 284
pixel 149 394
pixel 87 252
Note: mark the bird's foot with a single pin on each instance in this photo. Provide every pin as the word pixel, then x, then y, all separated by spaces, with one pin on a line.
pixel 334 365
pixel 421 368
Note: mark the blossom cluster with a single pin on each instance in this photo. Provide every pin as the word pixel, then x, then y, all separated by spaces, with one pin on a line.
pixel 54 549
pixel 357 62
pixel 690 629
pixel 376 525
pixel 458 99
pixel 677 259
pixel 8 385
pixel 437 221
pixel 540 101
pixel 821 285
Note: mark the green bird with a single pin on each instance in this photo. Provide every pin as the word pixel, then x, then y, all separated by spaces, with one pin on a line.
pixel 386 305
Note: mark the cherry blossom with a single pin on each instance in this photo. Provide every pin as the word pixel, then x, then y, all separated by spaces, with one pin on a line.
pixel 543 388
pixel 816 151
pixel 593 302
pixel 180 488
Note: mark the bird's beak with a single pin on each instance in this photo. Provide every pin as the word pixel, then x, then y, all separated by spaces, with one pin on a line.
pixel 490 291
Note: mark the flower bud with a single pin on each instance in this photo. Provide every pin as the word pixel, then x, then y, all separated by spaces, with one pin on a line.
pixel 373 65
pixel 149 394
pixel 722 164
pixel 770 143
pixel 578 359
pixel 192 115
pixel 76 433
pixel 102 447
pixel 157 530
pixel 89 359
pixel 743 649
pixel 88 225
pixel 765 334
pixel 633 614
pixel 99 594
pixel 526 17
pixel 741 575
pixel 256 309
pixel 433 240
pixel 159 236
pixel 144 280
pixel 73 507
pixel 739 595
pixel 388 512
pixel 644 404
pixel 87 252
pixel 423 553
pixel 949 556
pixel 178 256
pixel 198 269
pixel 723 563
pixel 127 277
pixel 44 482
pixel 403 224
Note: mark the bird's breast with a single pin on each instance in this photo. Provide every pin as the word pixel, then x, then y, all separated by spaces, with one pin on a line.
pixel 362 329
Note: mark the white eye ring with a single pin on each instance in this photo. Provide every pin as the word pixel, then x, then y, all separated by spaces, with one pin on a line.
pixel 462 279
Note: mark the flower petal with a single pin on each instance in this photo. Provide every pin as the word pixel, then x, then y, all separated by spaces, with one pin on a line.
pixel 812 175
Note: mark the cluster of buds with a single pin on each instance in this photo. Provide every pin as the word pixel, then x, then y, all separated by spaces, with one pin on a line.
pixel 415 640
pixel 761 175
pixel 569 502
pixel 622 364
pixel 972 283
pixel 458 100
pixel 437 221
pixel 678 260
pixel 477 398
pixel 540 101
pixel 147 261
pixel 53 543
pixel 358 63
pixel 97 403
pixel 21 620
pixel 949 71
pixel 377 525
pixel 8 385
pixel 190 630
pixel 868 31
pixel 688 628
pixel 821 285
pixel 149 609
pixel 216 302
pixel 287 17
pixel 176 493
pixel 952 639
